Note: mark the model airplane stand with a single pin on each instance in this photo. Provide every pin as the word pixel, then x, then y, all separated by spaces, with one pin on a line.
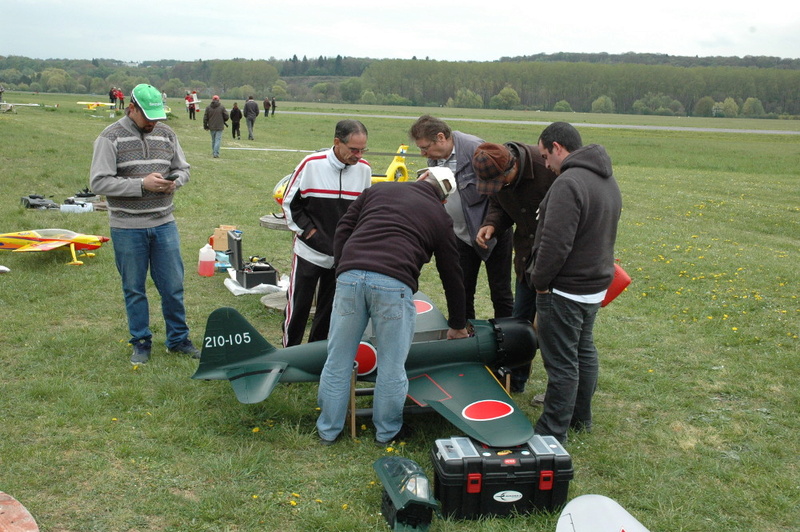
pixel 354 412
pixel 472 480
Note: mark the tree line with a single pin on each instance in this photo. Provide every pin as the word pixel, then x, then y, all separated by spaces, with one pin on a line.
pixel 601 83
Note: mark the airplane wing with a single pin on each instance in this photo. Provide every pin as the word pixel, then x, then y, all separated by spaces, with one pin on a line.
pixel 470 397
pixel 43 246
pixel 597 513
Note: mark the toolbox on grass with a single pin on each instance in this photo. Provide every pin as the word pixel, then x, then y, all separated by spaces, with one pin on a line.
pixel 472 480
pixel 248 274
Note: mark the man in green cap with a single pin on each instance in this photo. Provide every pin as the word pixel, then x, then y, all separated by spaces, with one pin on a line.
pixel 138 164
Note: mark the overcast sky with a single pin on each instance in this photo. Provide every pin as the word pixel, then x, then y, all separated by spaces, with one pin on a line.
pixel 460 30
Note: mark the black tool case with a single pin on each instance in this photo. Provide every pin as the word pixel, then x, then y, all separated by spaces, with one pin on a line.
pixel 472 480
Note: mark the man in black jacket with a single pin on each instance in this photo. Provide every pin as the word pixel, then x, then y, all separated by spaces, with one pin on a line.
pixel 572 267
pixel 515 178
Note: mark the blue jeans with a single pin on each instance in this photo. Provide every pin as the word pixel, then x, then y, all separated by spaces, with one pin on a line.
pixel 566 341
pixel 216 140
pixel 361 296
pixel 157 249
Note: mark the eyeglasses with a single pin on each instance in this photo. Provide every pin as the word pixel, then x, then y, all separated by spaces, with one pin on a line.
pixel 356 151
pixel 426 148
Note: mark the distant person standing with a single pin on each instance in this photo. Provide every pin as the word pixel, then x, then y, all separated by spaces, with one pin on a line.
pixel 250 114
pixel 132 159
pixel 112 97
pixel 267 105
pixel 572 267
pixel 120 99
pixel 273 106
pixel 215 119
pixel 236 122
pixel 191 105
pixel 318 194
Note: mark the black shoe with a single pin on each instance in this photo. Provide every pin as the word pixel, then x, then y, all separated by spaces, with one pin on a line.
pixel 405 432
pixel 186 347
pixel 141 353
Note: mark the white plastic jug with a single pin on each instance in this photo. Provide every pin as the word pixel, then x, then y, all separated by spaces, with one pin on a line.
pixel 77 207
pixel 205 263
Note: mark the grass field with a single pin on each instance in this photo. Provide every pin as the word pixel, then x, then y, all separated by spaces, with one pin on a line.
pixel 696 416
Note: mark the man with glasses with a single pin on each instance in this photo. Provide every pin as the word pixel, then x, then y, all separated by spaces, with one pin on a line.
pixel 318 194
pixel 138 164
pixel 467 207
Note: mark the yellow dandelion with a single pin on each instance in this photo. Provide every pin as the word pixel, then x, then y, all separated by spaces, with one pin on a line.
pixel 363 427
pixel 734 328
pixel 295 494
pixel 113 419
pixel 318 500
pixel 344 506
pixel 293 503
pixel 255 496
pixel 256 429
pixel 389 449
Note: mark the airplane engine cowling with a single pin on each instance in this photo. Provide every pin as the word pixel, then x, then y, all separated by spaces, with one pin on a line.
pixel 516 341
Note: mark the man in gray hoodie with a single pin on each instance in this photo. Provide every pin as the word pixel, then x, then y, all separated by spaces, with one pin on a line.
pixel 572 267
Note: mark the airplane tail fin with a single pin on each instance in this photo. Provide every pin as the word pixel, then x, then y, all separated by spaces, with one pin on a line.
pixel 234 350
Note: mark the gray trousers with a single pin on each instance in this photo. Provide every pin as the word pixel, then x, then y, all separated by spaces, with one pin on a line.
pixel 566 341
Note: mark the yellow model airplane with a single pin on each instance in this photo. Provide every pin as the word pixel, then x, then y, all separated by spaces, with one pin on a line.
pixel 93 106
pixel 49 239
pixel 396 171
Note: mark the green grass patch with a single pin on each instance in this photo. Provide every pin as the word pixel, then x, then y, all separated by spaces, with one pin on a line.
pixel 696 412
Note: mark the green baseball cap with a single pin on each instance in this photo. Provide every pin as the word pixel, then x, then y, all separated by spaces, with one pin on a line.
pixel 148 98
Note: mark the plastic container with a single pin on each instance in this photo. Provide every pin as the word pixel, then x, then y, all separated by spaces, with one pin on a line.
pixel 206 260
pixel 77 207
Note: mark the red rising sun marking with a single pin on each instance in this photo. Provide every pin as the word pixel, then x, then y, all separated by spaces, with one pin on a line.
pixel 487 410
pixel 367 358
pixel 422 306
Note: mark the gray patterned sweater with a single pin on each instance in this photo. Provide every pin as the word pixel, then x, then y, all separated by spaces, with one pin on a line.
pixel 123 156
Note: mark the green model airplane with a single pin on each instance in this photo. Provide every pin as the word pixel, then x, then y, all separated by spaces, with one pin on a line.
pixel 454 377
